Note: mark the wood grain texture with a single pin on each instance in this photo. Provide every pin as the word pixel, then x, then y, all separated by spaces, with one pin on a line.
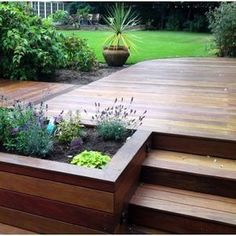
pixel 185 159
pixel 32 91
pixel 194 145
pixel 190 96
pixel 175 223
pixel 80 196
pixel 55 171
pixel 39 224
pixel 193 208
pixel 56 210
pixel 8 229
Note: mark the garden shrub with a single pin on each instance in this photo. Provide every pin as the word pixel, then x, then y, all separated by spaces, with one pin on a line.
pixel 29 46
pixel 91 159
pixel 69 129
pixel 79 55
pixel 222 23
pixel 24 129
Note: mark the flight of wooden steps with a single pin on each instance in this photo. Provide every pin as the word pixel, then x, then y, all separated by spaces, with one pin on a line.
pixel 185 193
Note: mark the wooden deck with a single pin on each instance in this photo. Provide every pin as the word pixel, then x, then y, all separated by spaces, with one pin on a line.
pixel 191 96
pixel 32 91
pixel 182 96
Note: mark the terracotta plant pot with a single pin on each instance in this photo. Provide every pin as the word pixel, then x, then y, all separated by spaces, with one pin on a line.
pixel 115 56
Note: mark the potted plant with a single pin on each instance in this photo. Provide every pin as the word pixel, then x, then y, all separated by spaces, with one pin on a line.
pixel 118 44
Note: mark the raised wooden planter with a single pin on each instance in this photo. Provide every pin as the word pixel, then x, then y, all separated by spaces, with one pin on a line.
pixel 51 197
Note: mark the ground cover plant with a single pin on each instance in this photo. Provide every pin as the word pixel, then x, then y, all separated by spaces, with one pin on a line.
pixel 26 129
pixel 152 44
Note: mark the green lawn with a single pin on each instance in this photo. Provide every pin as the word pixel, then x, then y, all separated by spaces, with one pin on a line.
pixel 153 44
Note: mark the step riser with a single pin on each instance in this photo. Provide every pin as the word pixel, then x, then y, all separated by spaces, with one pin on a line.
pixel 175 223
pixel 186 181
pixel 194 145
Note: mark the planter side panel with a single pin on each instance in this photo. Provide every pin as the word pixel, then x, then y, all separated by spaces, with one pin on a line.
pixel 74 206
pixel 68 213
pixel 40 224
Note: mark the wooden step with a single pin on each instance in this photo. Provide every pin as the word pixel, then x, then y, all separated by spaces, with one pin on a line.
pixel 199 173
pixel 137 229
pixel 182 211
pixel 8 229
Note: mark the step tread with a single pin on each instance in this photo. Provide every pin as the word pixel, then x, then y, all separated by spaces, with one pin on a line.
pixel 188 203
pixel 204 165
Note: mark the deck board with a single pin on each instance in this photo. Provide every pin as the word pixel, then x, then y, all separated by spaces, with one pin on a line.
pixel 190 96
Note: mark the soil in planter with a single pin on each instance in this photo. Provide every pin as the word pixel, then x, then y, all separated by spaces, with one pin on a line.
pixel 91 142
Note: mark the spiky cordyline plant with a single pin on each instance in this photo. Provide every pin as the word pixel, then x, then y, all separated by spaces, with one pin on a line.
pixel 121 19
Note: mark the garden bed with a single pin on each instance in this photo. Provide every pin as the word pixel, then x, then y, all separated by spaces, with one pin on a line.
pixel 91 140
pixel 51 197
pixel 80 77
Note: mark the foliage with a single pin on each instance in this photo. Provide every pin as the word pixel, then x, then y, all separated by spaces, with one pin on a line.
pixel 60 16
pixel 223 26
pixel 198 24
pixel 120 19
pixel 79 55
pixel 68 129
pixel 114 122
pixel 24 129
pixel 174 22
pixel 112 130
pixel 28 46
pixel 91 159
pixel 75 7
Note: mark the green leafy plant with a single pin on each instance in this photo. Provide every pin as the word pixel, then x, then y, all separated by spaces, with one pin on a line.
pixel 116 122
pixel 68 129
pixel 79 55
pixel 119 20
pixel 60 16
pixel 91 159
pixel 29 46
pixel 222 22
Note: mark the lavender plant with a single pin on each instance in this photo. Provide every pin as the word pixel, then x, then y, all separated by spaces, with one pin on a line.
pixel 24 129
pixel 115 122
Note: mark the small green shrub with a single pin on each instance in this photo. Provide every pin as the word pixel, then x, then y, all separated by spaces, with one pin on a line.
pixel 112 130
pixel 117 121
pixel 68 129
pixel 23 129
pixel 91 159
pixel 222 23
pixel 79 55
